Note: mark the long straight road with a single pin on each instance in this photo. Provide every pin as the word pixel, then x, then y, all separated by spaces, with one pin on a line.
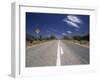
pixel 74 54
pixel 56 53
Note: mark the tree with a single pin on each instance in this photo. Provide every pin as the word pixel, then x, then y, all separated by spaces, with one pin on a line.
pixel 86 37
pixel 40 38
pixel 66 38
pixel 77 38
pixel 52 37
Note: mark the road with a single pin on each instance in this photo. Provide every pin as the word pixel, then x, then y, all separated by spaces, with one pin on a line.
pixel 56 53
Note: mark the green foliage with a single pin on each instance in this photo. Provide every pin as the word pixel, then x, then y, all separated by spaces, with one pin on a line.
pixel 78 38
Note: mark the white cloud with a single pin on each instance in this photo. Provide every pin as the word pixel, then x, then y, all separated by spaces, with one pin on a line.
pixel 64 34
pixel 69 32
pixel 73 21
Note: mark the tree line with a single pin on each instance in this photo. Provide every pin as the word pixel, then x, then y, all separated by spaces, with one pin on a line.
pixel 32 38
pixel 78 38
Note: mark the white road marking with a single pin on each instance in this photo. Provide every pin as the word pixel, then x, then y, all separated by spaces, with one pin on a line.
pixel 61 51
pixel 58 63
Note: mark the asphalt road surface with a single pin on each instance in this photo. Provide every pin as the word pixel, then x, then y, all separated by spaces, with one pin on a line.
pixel 56 53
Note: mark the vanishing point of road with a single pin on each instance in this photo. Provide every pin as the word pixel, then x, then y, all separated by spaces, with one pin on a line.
pixel 56 53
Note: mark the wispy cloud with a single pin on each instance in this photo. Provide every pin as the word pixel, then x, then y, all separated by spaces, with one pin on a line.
pixel 73 21
pixel 69 32
pixel 76 29
pixel 52 29
pixel 64 34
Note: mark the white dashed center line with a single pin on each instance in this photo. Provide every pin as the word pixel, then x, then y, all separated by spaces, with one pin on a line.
pixel 59 52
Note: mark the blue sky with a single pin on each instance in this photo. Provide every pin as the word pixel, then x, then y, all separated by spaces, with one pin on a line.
pixel 57 24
